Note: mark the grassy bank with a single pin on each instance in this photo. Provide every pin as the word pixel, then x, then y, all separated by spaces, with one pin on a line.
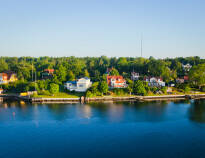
pixel 59 95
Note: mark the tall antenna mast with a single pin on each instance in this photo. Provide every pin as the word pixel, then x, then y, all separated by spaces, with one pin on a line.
pixel 141 44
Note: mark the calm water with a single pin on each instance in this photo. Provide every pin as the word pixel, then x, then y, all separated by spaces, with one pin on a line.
pixel 123 129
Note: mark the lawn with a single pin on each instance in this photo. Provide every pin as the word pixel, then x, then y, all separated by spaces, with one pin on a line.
pixel 60 95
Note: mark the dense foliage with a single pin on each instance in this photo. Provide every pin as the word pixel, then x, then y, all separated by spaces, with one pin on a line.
pixel 71 68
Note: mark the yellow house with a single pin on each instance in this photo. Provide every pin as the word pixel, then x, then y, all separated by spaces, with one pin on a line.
pixel 7 77
pixel 13 77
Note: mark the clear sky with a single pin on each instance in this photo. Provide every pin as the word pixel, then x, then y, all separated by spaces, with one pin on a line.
pixel 170 28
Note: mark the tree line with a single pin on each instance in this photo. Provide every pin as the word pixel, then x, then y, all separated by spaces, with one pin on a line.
pixel 71 68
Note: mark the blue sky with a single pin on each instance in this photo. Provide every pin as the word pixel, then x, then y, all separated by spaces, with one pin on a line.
pixel 170 28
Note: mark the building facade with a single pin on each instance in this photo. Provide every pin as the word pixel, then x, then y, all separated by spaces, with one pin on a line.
pixel 186 67
pixel 135 76
pixel 81 85
pixel 47 73
pixel 116 82
pixel 7 77
pixel 154 81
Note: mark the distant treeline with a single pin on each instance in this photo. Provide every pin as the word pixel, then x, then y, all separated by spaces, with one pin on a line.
pixel 70 68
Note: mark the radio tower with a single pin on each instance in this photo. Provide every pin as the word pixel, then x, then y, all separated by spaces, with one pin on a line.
pixel 141 44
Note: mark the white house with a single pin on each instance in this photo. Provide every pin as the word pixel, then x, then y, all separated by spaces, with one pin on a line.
pixel 81 85
pixel 135 76
pixel 186 67
pixel 155 82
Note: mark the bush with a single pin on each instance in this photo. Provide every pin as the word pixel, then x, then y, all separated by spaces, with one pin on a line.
pixel 89 94
pixel 139 88
pixel 154 89
pixel 54 88
pixel 34 95
pixel 119 91
pixel 203 89
pixel 164 90
pixel 187 89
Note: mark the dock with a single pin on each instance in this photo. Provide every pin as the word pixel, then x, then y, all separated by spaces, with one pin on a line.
pixel 56 100
pixel 104 98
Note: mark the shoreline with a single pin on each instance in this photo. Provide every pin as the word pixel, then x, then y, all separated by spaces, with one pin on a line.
pixel 104 98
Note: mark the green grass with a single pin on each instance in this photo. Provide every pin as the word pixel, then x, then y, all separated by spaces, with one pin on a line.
pixel 60 95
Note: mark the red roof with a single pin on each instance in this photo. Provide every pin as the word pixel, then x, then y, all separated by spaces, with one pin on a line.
pixel 49 70
pixel 186 78
pixel 117 79
pixel 7 76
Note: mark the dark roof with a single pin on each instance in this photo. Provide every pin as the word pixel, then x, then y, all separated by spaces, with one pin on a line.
pixel 73 82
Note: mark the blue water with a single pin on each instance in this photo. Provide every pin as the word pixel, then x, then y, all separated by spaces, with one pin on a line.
pixel 103 130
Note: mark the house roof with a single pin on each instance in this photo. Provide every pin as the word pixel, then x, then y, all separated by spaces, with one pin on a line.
pixel 7 76
pixel 118 79
pixel 73 82
pixel 186 77
pixel 49 70
pixel 85 78
pixel 157 78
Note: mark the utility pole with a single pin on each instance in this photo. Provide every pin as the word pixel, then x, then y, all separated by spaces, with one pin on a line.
pixel 32 71
pixel 35 80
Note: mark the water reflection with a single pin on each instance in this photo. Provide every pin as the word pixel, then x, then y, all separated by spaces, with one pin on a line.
pixel 112 129
pixel 110 112
pixel 197 111
pixel 130 111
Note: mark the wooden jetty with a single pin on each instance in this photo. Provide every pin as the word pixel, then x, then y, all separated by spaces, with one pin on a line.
pixel 105 98
pixel 56 100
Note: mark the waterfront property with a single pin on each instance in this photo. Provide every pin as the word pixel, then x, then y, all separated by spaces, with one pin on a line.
pixel 180 80
pixel 7 77
pixel 186 67
pixel 154 81
pixel 81 85
pixel 116 82
pixel 47 73
pixel 1 90
pixel 135 76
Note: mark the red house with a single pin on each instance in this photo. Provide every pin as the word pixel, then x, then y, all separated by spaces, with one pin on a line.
pixel 50 71
pixel 186 78
pixel 116 82
pixel 47 73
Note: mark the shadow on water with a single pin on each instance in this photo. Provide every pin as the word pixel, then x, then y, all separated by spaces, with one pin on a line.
pixel 196 111
pixel 130 111
pixel 59 111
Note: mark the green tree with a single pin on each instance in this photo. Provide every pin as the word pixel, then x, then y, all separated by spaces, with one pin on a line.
pixel 130 86
pixel 197 75
pixel 187 89
pixel 54 88
pixel 71 76
pixel 94 88
pixel 139 88
pixel 4 65
pixel 61 73
pixel 86 73
pixel 32 86
pixel 114 72
pixel 103 87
